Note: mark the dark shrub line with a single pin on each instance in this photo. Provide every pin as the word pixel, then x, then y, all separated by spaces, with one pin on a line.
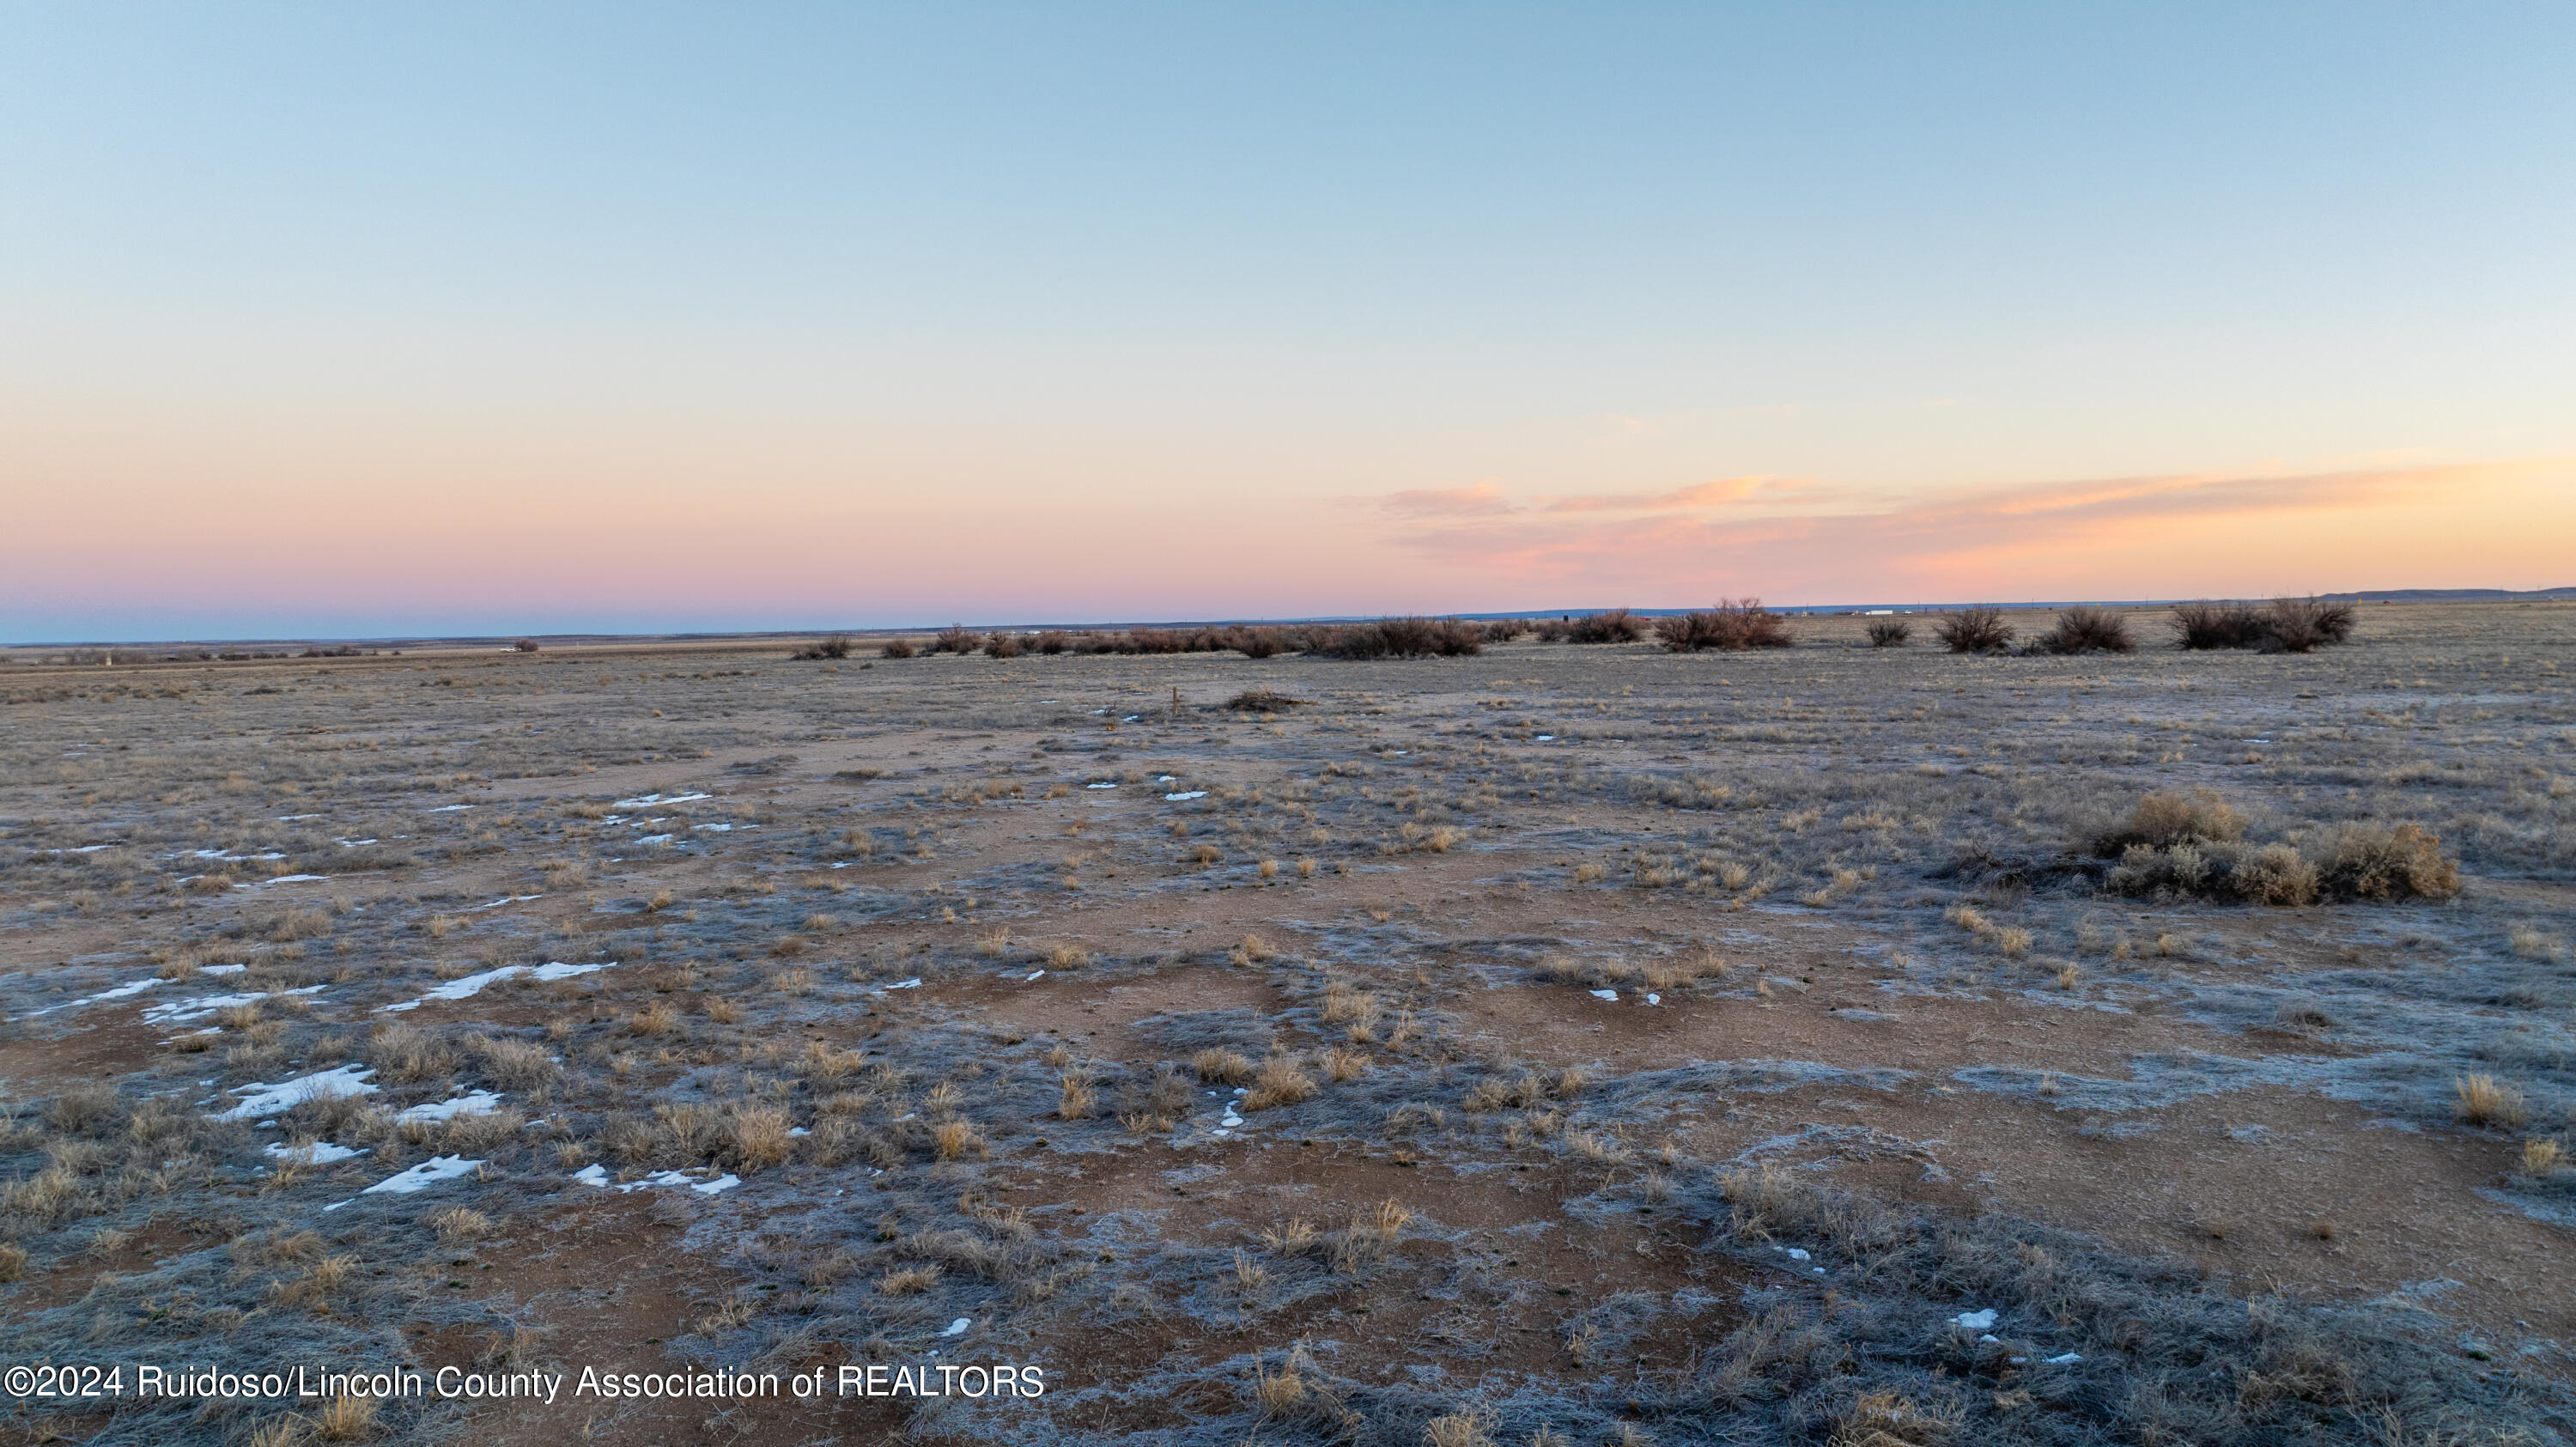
pixel 1730 625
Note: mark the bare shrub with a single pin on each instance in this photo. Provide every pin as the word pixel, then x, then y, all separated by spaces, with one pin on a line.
pixel 2087 630
pixel 1890 633
pixel 2300 625
pixel 1613 625
pixel 2205 624
pixel 1730 625
pixel 895 648
pixel 1974 630
pixel 835 647
pixel 1398 638
pixel 956 639
pixel 1264 700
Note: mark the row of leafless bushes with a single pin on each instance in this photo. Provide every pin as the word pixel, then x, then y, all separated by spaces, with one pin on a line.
pixel 2285 625
pixel 1384 638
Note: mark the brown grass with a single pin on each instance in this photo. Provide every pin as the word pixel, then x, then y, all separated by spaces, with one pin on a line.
pixel 1281 1081
pixel 2486 1101
pixel 1218 1066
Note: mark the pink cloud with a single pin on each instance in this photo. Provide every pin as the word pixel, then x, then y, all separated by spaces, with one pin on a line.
pixel 1483 499
pixel 1987 541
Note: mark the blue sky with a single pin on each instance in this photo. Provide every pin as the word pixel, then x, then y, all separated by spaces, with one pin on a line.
pixel 610 280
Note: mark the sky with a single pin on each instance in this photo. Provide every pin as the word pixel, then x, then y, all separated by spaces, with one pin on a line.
pixel 356 321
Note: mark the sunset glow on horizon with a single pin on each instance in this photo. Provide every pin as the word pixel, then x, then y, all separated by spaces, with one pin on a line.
pixel 487 320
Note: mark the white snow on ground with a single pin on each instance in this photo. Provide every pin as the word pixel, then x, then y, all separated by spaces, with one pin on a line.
pixel 282 879
pixel 595 1175
pixel 295 818
pixel 1605 994
pixel 222 969
pixel 647 801
pixel 270 1099
pixel 959 1326
pixel 506 899
pixel 1976 1320
pixel 182 1012
pixel 1100 786
pixel 480 1102
pixel 449 808
pixel 470 985
pixel 654 839
pixel 131 987
pixel 1186 794
pixel 912 984
pixel 319 1153
pixel 421 1177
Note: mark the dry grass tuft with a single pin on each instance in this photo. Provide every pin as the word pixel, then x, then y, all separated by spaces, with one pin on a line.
pixel 958 1140
pixel 1281 1081
pixel 2483 1100
pixel 458 1223
pixel 1889 1419
pixel 1219 1066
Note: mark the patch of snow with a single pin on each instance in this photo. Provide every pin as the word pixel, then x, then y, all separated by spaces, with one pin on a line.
pixel 1976 1320
pixel 1605 994
pixel 2067 1360
pixel 446 809
pixel 319 1153
pixel 592 1175
pixel 1100 786
pixel 959 1326
pixel 505 899
pixel 1186 794
pixel 1546 738
pixel 480 1102
pixel 295 818
pixel 714 828
pixel 131 987
pixel 270 1099
pixel 1797 1253
pixel 352 843
pixel 470 985
pixel 423 1176
pixel 1654 999
pixel 285 879
pixel 647 801
pixel 912 984
pixel 184 1012
pixel 222 969
pixel 654 839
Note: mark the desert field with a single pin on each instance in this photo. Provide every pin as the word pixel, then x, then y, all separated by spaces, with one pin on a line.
pixel 1564 1044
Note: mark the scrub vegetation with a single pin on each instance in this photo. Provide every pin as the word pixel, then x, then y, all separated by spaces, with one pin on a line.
pixel 1736 1029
